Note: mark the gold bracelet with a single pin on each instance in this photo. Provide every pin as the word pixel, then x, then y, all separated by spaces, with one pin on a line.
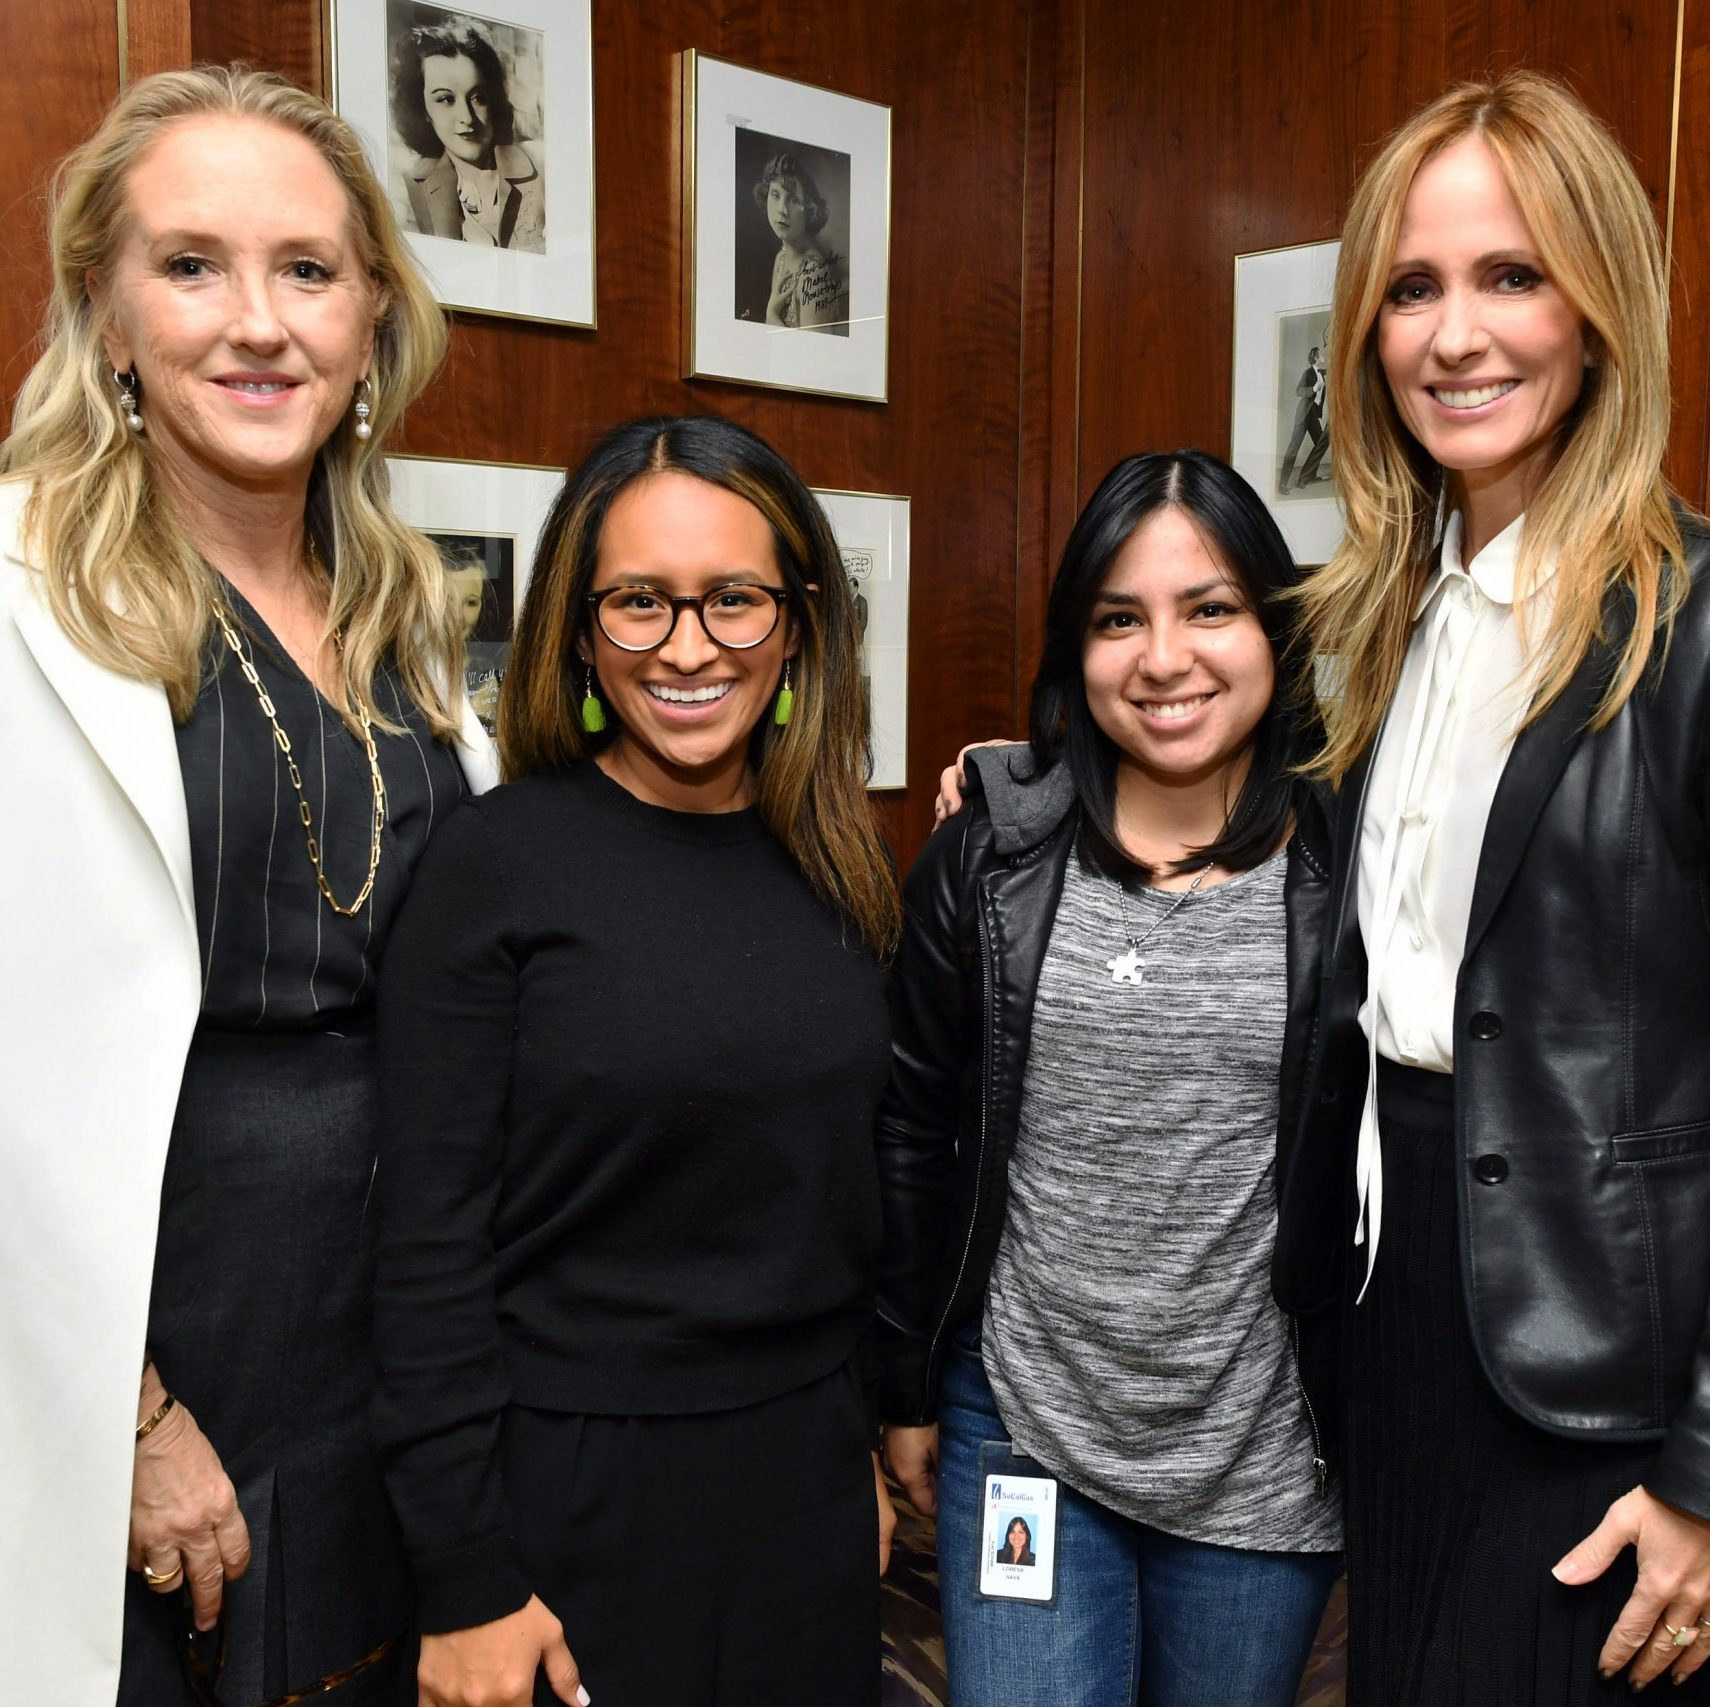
pixel 150 1423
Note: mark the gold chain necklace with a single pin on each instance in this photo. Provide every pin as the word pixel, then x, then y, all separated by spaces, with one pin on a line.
pixel 284 743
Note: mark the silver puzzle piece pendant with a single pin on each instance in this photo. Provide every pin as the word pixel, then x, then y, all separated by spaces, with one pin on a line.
pixel 1125 968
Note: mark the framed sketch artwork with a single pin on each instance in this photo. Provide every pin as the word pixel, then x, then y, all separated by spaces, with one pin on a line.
pixel 486 518
pixel 480 125
pixel 786 242
pixel 872 534
pixel 1281 435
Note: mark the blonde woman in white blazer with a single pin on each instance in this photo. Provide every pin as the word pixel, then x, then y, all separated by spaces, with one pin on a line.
pixel 226 728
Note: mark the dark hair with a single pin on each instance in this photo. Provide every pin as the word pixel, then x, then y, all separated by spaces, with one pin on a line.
pixel 789 168
pixel 813 770
pixel 453 37
pixel 1239 529
pixel 1027 1529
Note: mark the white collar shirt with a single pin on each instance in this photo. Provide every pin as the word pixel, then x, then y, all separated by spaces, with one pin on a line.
pixel 1463 693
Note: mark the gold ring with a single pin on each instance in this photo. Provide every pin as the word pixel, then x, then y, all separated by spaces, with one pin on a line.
pixel 1684 1635
pixel 159 1579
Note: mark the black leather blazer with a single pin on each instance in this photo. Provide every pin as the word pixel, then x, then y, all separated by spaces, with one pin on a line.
pixel 1582 1067
pixel 979 905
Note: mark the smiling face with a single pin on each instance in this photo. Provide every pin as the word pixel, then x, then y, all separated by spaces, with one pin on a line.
pixel 1177 667
pixel 237 295
pixel 458 107
pixel 685 712
pixel 1017 1537
pixel 787 212
pixel 1483 354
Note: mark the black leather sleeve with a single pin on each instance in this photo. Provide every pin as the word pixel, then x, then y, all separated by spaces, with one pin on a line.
pixel 1681 1474
pixel 933 995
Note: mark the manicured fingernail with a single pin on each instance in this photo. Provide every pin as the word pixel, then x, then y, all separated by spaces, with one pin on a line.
pixel 582 1695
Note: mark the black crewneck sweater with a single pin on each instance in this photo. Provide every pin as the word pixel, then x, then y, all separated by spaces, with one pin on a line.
pixel 628 1071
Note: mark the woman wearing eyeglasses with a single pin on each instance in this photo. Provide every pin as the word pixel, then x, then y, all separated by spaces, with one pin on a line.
pixel 629 1212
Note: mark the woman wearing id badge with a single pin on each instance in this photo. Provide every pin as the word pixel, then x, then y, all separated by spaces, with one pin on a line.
pixel 1090 1011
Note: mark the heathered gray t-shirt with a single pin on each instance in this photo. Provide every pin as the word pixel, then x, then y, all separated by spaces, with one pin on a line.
pixel 1130 1335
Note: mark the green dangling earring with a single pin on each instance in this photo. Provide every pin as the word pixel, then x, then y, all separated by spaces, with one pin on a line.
pixel 786 705
pixel 593 713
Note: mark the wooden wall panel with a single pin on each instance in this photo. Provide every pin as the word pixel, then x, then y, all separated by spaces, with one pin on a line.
pixel 1070 191
pixel 1691 282
pixel 955 75
pixel 68 50
pixel 1249 134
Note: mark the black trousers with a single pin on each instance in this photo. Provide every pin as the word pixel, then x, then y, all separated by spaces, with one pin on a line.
pixel 728 1559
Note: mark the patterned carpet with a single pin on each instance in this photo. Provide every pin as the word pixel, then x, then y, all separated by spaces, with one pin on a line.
pixel 914 1645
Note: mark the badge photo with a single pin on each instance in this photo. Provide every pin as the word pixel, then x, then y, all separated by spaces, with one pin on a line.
pixel 1018 1538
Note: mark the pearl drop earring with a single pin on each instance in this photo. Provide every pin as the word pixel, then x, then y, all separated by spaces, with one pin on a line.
pixel 363 411
pixel 127 384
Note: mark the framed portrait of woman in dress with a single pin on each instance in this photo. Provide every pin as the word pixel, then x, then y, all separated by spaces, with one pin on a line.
pixel 480 125
pixel 1280 434
pixel 786 240
pixel 485 518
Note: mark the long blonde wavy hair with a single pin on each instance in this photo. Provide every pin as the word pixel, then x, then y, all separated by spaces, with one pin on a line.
pixel 121 573
pixel 1603 509
pixel 812 772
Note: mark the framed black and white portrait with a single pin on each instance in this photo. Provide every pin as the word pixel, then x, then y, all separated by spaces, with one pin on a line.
pixel 480 126
pixel 871 530
pixel 485 518
pixel 1281 435
pixel 787 232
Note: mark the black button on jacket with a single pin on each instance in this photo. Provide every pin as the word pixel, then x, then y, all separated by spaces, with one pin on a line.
pixel 1583 1010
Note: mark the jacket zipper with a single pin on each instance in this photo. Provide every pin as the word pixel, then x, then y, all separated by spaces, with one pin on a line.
pixel 980 1153
pixel 1320 1465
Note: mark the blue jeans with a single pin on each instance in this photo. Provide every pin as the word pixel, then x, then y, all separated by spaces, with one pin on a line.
pixel 1139 1616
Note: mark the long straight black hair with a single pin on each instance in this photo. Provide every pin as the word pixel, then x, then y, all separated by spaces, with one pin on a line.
pixel 1239 531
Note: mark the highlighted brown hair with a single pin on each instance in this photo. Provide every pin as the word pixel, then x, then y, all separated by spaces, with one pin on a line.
pixel 812 771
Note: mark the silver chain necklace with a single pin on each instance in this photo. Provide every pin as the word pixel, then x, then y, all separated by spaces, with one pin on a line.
pixel 1129 968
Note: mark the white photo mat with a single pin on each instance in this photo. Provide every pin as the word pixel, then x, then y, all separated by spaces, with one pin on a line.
pixel 486 500
pixel 557 285
pixel 1282 310
pixel 719 100
pixel 872 531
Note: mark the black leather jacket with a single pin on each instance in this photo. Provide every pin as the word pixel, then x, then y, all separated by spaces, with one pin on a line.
pixel 1582 1067
pixel 980 902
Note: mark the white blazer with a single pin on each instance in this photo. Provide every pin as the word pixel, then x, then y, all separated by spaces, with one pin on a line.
pixel 99 991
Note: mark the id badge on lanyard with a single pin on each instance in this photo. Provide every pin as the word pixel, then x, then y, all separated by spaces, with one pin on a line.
pixel 1018 1538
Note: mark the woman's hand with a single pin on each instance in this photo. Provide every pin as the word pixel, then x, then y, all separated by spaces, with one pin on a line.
pixel 184 1510
pixel 1673 1588
pixel 951 781
pixel 911 1454
pixel 887 1516
pixel 494 1665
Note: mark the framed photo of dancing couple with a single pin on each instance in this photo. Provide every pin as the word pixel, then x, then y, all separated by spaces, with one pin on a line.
pixel 786 232
pixel 1281 436
pixel 481 127
pixel 486 518
pixel 871 531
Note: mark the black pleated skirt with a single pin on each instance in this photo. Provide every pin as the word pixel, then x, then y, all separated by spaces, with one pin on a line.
pixel 260 1322
pixel 1457 1508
